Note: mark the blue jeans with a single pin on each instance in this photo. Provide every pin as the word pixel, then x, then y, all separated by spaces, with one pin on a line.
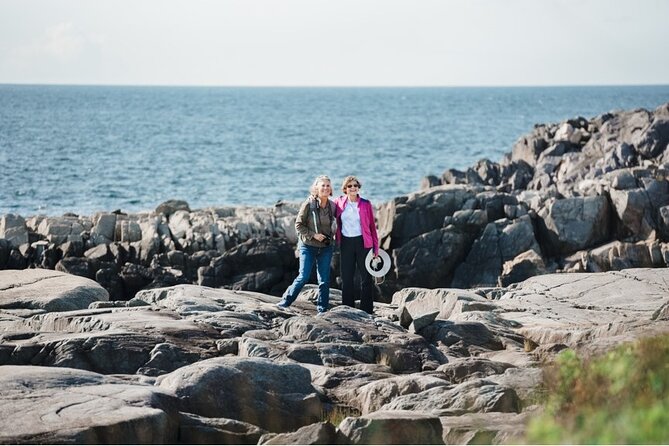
pixel 308 256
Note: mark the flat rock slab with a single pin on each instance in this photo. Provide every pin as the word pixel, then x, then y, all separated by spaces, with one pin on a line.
pixel 47 290
pixel 47 405
pixel 575 308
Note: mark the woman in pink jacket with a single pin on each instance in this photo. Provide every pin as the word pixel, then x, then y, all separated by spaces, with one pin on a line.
pixel 356 234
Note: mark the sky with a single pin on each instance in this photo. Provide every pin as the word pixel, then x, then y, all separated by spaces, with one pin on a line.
pixel 335 43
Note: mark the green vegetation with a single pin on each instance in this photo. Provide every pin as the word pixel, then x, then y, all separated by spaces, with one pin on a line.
pixel 620 397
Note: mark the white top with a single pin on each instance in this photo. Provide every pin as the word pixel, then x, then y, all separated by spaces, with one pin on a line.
pixel 350 220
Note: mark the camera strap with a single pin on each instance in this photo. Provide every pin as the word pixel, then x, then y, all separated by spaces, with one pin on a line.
pixel 313 213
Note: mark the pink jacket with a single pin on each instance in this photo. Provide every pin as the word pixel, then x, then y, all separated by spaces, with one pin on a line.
pixel 369 237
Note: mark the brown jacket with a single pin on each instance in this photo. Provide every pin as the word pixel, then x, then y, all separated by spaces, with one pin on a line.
pixel 326 222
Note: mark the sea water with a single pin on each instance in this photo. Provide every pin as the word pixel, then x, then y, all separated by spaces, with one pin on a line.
pixel 85 149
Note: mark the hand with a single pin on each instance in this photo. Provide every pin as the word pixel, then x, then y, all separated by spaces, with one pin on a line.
pixel 319 237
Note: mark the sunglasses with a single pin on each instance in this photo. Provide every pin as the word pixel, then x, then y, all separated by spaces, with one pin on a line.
pixel 350 186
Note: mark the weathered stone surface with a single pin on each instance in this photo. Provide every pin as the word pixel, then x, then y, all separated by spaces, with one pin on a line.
pixel 461 369
pixel 111 341
pixel 169 207
pixel 78 266
pixel 13 229
pixel 572 224
pixel 276 397
pixel 194 429
pixel 448 301
pixel 525 265
pixel 60 405
pixel 393 427
pixel 406 217
pixel 587 308
pixel 431 258
pixel 105 228
pixel 317 433
pixel 371 397
pixel 48 290
pixel 475 395
pixel 488 428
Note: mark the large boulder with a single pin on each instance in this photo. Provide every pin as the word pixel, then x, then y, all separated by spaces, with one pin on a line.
pixel 409 216
pixel 571 224
pixel 430 259
pixel 46 405
pixel 276 397
pixel 256 265
pixel 476 395
pixel 48 290
pixel 59 230
pixel 13 229
pixel 371 397
pixel 501 241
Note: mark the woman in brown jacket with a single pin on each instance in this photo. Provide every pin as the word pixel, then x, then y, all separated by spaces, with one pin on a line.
pixel 315 226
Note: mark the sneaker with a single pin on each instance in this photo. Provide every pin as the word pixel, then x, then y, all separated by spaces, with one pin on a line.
pixel 282 306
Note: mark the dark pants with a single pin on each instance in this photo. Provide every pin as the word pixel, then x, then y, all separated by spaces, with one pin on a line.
pixel 353 255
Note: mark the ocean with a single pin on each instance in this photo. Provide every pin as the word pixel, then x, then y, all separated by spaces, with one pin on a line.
pixel 85 149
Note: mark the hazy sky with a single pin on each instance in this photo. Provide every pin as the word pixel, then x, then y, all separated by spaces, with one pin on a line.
pixel 342 42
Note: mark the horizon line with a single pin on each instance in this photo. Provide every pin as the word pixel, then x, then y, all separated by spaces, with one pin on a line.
pixel 67 84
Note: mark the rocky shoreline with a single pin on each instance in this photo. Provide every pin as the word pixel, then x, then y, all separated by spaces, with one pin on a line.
pixel 581 195
pixel 161 327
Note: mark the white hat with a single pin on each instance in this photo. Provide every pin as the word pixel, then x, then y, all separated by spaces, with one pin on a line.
pixel 377 267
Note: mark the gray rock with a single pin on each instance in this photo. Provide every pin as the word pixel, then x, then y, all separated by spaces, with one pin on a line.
pixel 477 395
pixel 523 266
pixel 179 224
pixel 448 301
pixel 60 405
pixel 195 429
pixel 422 321
pixel 78 266
pixel 393 427
pixel 528 147
pixel 488 428
pixel 633 209
pixel 48 290
pixel 105 227
pixel 483 263
pixel 129 231
pixel 275 397
pixel 430 258
pixel 462 369
pixel 317 433
pixel 590 310
pixel 13 229
pixel 169 207
pixel 429 181
pixel 371 397
pixel 571 224
pixel 409 216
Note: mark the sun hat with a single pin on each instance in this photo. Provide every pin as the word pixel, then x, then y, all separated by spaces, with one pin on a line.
pixel 379 266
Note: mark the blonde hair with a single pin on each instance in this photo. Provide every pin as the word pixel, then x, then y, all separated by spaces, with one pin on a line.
pixel 347 180
pixel 313 189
